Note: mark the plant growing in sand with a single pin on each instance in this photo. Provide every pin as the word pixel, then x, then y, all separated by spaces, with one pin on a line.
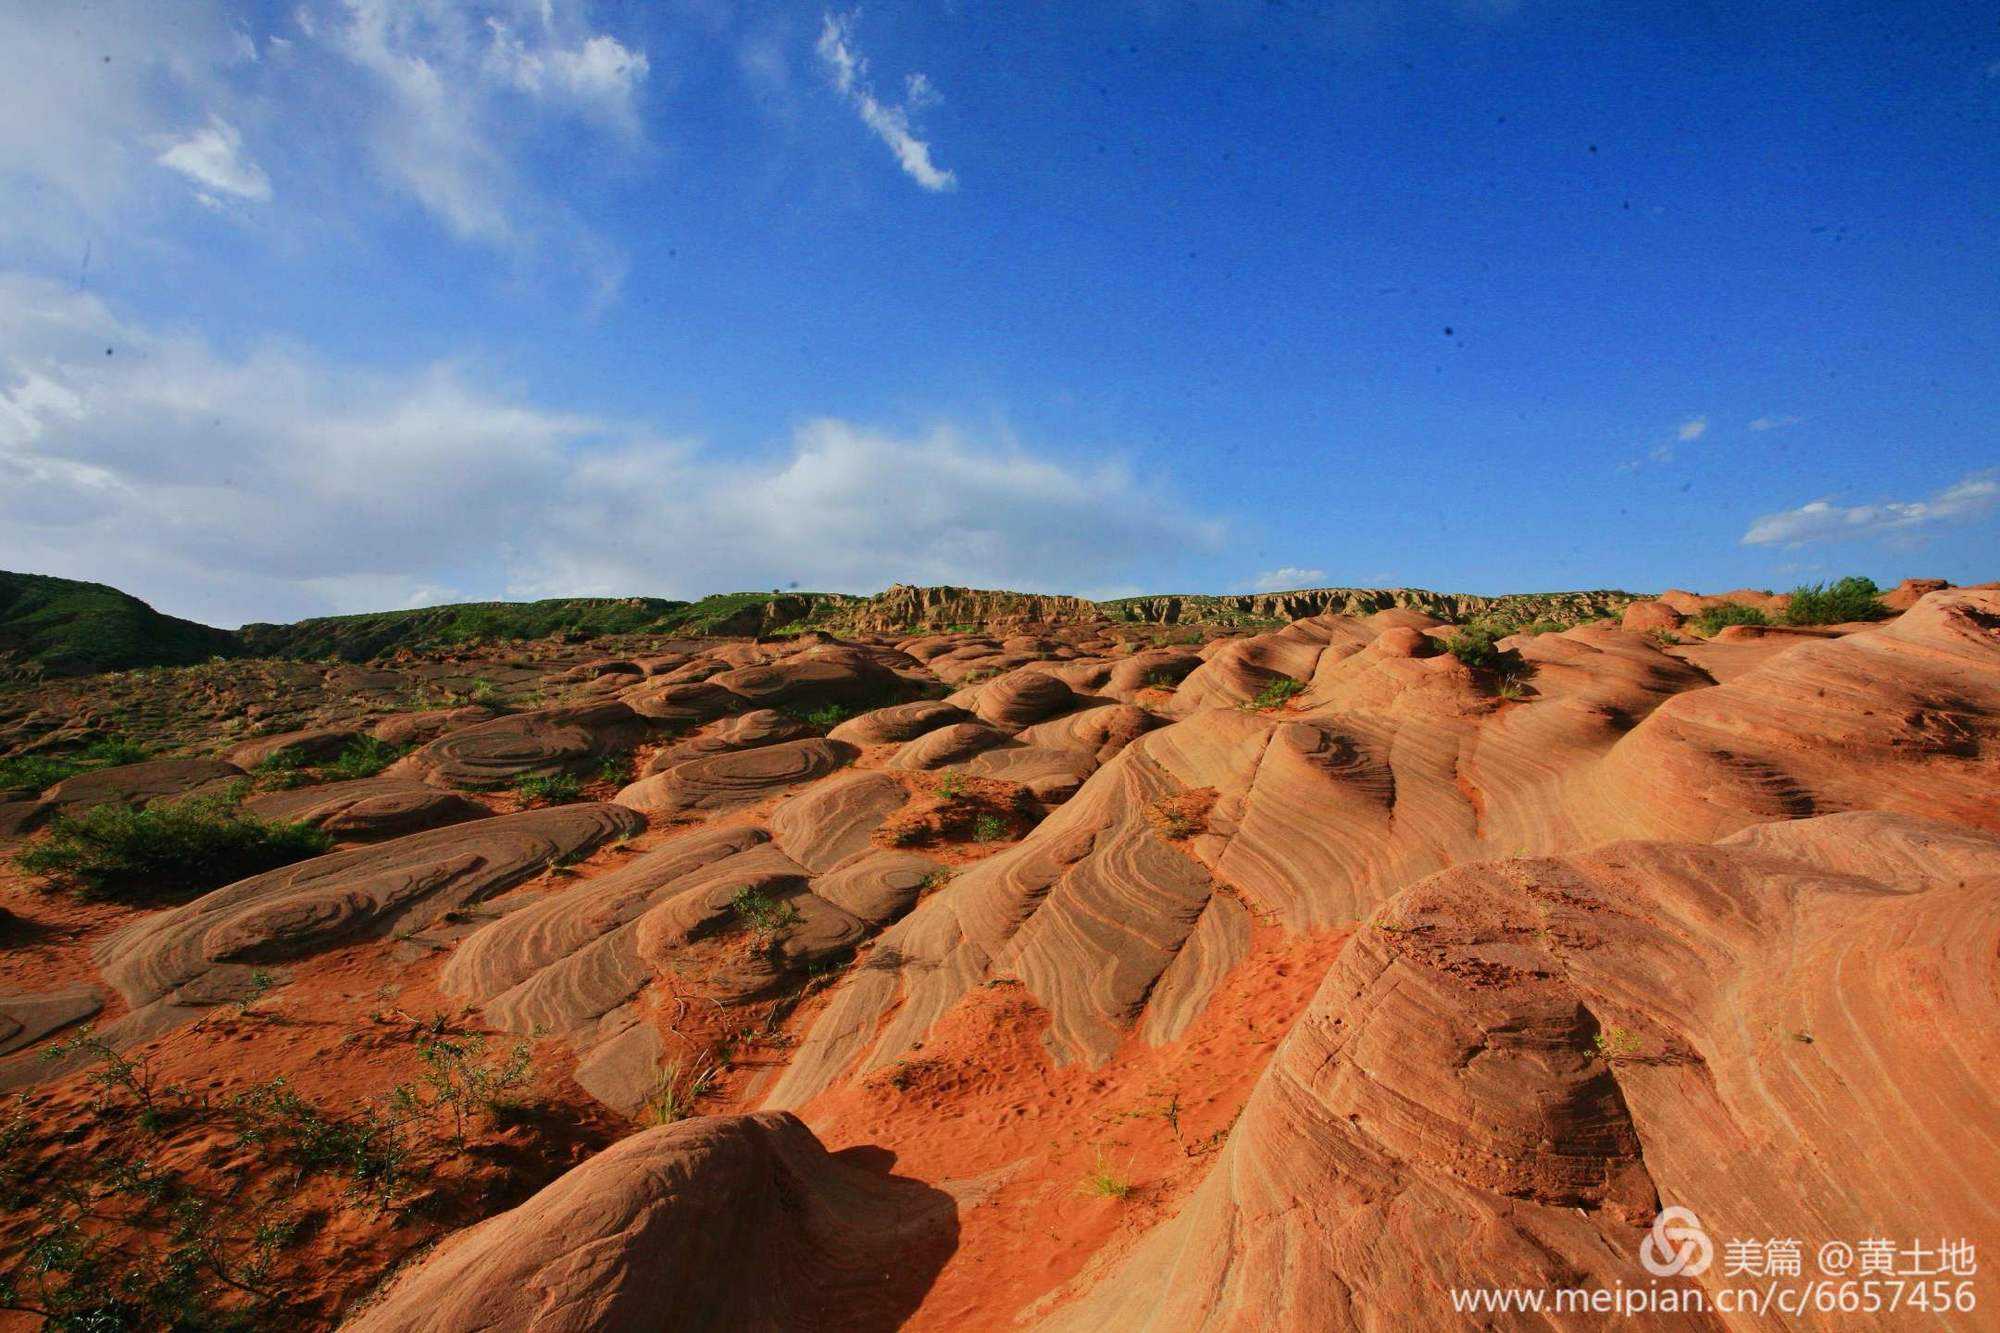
pixel 1105 1181
pixel 681 1087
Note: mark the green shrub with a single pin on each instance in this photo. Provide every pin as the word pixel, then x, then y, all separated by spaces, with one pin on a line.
pixel 187 847
pixel 763 913
pixel 34 772
pixel 38 772
pixel 1714 618
pixel 364 757
pixel 989 828
pixel 1478 646
pixel 561 789
pixel 1275 693
pixel 1851 598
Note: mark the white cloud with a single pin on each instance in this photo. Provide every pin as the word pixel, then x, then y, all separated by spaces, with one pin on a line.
pixel 1692 430
pixel 445 131
pixel 847 68
pixel 274 485
pixel 92 93
pixel 444 102
pixel 1821 520
pixel 1773 423
pixel 600 76
pixel 1286 579
pixel 213 157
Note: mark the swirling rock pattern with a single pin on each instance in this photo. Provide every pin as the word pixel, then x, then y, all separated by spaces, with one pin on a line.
pixel 538 744
pixel 1511 1066
pixel 1394 767
pixel 137 784
pixel 898 722
pixel 365 809
pixel 760 726
pixel 408 882
pixel 739 778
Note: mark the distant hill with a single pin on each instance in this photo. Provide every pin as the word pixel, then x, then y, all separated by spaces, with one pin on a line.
pixel 62 627
pixel 359 637
pixel 65 628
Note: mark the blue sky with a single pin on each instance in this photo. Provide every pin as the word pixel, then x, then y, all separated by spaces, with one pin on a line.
pixel 352 304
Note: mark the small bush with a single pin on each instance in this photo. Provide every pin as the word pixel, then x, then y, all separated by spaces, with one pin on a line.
pixel 37 772
pixel 825 718
pixel 1851 598
pixel 1478 646
pixel 989 828
pixel 34 772
pixel 762 913
pixel 189 846
pixel 1276 693
pixel 950 785
pixel 1707 622
pixel 1616 1043
pixel 615 770
pixel 364 757
pixel 561 789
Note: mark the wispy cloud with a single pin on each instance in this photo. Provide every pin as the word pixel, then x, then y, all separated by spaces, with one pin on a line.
pixel 213 158
pixel 1970 499
pixel 1286 578
pixel 276 484
pixel 1666 450
pixel 442 72
pixel 1773 423
pixel 847 68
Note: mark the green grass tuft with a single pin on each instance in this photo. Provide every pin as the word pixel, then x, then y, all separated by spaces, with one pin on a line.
pixel 560 789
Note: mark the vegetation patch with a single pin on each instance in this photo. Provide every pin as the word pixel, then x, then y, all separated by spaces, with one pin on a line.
pixel 1275 694
pixel 37 772
pixel 555 789
pixel 181 848
pixel 1849 599
pixel 1711 620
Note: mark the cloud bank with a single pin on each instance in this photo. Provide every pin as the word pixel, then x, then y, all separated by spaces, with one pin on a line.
pixel 276 485
pixel 1970 499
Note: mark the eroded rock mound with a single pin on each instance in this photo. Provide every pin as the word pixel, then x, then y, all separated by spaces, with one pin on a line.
pixel 722 1222
pixel 365 809
pixel 1513 1063
pixel 736 778
pixel 194 953
pixel 137 784
pixel 538 744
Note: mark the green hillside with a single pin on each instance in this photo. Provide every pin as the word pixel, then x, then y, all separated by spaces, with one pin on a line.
pixel 66 628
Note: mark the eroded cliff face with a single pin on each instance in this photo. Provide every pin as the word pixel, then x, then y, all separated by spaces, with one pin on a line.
pixel 1299 604
pixel 902 608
